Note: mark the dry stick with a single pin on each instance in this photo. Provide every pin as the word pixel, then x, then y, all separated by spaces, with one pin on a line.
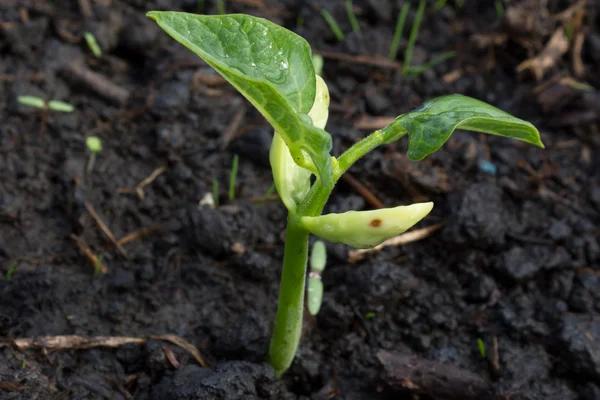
pixel 104 228
pixel 139 234
pixel 92 258
pixel 98 83
pixel 68 342
pixel 405 238
pixel 377 61
pixel 146 181
pixel 362 190
pixel 373 123
pixel 231 133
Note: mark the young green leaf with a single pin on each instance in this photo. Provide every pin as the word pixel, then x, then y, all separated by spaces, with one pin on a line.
pixel 314 294
pixel 430 125
pixel 270 65
pixel 366 229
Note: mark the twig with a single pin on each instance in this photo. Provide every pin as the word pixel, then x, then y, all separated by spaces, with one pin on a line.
pixel 179 341
pixel 98 83
pixel 362 190
pixel 405 238
pixel 370 123
pixel 377 61
pixel 85 342
pixel 494 359
pixel 92 258
pixel 231 132
pixel 104 228
pixel 139 234
pixel 146 181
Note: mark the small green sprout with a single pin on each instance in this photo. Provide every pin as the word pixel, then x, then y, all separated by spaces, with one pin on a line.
pixel 314 291
pixel 53 105
pixel 90 39
pixel 233 176
pixel 215 192
pixel 439 4
pixel 273 68
pixel 221 6
pixel 352 17
pixel 318 62
pixel 398 31
pixel 499 8
pixel 11 270
pixel 94 145
pixel 333 25
pixel 481 346
pixel 370 315
pixel 412 39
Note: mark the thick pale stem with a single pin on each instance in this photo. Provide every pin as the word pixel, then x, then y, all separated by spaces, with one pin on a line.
pixel 288 322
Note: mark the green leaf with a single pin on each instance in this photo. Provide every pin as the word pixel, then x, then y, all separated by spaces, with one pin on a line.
pixel 430 125
pixel 366 229
pixel 271 66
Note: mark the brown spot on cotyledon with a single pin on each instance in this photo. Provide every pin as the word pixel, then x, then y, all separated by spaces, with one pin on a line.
pixel 375 222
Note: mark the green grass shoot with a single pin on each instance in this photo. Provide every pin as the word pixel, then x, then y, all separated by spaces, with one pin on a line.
pixel 414 33
pixel 92 43
pixel 271 190
pixel 414 71
pixel 221 7
pixel 215 192
pixel 398 31
pixel 439 4
pixel 233 176
pixel 11 270
pixel 370 315
pixel 333 25
pixel 499 8
pixel 352 16
pixel 481 346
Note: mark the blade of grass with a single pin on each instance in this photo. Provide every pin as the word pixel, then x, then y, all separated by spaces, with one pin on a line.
pixel 233 176
pixel 215 192
pixel 221 6
pixel 352 17
pixel 93 45
pixel 414 33
pixel 499 8
pixel 439 4
pixel 398 31
pixel 335 28
pixel 414 71
pixel 11 270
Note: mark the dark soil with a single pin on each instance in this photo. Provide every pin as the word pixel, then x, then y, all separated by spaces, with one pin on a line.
pixel 517 263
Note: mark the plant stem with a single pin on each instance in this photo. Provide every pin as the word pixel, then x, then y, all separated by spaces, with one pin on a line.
pixel 288 322
pixel 91 163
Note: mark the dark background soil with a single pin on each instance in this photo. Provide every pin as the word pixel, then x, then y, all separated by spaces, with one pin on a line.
pixel 517 262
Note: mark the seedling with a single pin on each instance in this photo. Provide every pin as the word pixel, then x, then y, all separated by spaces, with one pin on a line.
pixel 215 192
pixel 272 67
pixel 90 39
pixel 318 260
pixel 352 17
pixel 481 347
pixel 94 145
pixel 333 25
pixel 398 31
pixel 233 176
pixel 52 105
pixel 11 270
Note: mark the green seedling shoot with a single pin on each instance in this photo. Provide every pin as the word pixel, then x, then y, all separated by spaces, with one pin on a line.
pixel 333 25
pixel 272 67
pixel 215 192
pixel 481 347
pixel 52 105
pixel 94 145
pixel 233 176
pixel 314 291
pixel 93 45
pixel 352 16
pixel 11 270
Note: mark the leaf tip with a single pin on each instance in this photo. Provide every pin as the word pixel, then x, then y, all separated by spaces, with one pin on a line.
pixel 153 15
